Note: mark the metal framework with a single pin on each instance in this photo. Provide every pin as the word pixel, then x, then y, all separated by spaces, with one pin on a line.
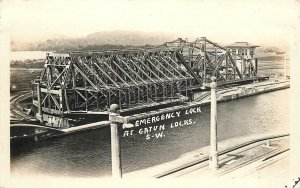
pixel 206 58
pixel 90 82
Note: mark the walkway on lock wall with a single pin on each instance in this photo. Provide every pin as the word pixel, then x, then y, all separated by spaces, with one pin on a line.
pixel 262 157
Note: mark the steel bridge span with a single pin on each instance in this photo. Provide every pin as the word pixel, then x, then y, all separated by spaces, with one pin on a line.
pixel 89 82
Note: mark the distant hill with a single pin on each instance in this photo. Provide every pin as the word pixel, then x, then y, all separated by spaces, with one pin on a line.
pixel 128 38
pixel 98 40
pixel 112 40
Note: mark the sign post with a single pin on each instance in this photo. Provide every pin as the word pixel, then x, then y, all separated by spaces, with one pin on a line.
pixel 213 158
pixel 115 143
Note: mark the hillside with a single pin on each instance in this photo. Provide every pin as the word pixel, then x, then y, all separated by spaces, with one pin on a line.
pixel 98 40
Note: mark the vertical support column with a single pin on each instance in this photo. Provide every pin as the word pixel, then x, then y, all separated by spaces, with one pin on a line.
pixel 216 63
pixel 234 73
pixel 129 97
pixel 120 99
pixel 242 68
pixel 235 67
pixel 115 143
pixel 97 101
pixel 75 97
pixel 109 99
pixel 86 96
pixel 40 112
pixel 142 94
pixel 76 103
pixel 247 53
pixel 204 62
pixel 172 95
pixel 190 57
pixel 61 101
pixel 60 122
pixel 138 93
pixel 186 88
pixel 192 96
pixel 226 56
pixel 147 93
pixel 213 157
pixel 73 73
pixel 163 84
pixel 156 92
pixel 256 66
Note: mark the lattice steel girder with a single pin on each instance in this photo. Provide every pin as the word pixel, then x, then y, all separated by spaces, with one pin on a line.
pixel 215 50
pixel 91 81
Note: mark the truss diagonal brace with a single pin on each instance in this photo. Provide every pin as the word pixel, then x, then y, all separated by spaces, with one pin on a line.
pixel 182 60
pixel 234 64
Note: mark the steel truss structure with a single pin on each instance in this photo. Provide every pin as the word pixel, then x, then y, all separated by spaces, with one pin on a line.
pixel 206 58
pixel 90 82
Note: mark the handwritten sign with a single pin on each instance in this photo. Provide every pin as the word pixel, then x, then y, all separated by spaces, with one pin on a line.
pixel 156 126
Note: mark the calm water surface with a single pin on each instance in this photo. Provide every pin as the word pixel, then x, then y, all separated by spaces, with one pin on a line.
pixel 88 154
pixel 23 55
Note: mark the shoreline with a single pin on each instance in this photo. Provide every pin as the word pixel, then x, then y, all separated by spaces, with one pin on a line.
pixel 24 69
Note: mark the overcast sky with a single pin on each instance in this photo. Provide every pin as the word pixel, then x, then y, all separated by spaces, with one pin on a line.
pixel 256 21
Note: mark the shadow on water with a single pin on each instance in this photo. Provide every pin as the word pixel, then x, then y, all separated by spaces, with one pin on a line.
pixel 18 148
pixel 84 154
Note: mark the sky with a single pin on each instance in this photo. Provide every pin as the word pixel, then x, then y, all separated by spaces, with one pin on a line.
pixel 256 21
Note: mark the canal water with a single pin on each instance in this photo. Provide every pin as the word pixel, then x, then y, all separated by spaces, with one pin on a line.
pixel 87 154
pixel 23 55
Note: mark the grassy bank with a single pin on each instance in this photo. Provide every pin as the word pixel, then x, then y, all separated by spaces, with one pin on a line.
pixel 28 63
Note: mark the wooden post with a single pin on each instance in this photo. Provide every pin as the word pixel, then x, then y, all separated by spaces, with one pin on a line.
pixel 115 143
pixel 213 158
